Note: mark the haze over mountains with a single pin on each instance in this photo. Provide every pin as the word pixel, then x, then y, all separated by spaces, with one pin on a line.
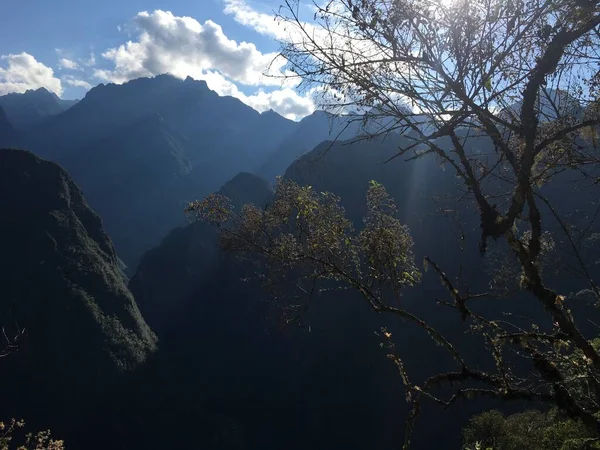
pixel 143 149
pixel 33 106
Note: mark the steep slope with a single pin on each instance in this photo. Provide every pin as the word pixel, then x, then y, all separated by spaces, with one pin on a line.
pixel 131 178
pixel 61 282
pixel 32 106
pixel 311 131
pixel 8 134
pixel 298 387
pixel 191 253
pixel 219 358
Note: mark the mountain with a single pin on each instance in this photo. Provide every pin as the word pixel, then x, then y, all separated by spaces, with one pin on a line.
pixel 550 105
pixel 131 177
pixel 140 151
pixel 310 131
pixel 61 282
pixel 32 106
pixel 306 383
pixel 190 252
pixel 8 134
pixel 303 387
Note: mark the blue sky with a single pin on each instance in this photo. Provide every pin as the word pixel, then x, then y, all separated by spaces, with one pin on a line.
pixel 69 46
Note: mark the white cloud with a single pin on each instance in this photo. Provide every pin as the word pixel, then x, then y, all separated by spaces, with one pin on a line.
pixel 91 61
pixel 75 82
pixel 262 23
pixel 68 64
pixel 314 40
pixel 285 101
pixel 22 72
pixel 182 46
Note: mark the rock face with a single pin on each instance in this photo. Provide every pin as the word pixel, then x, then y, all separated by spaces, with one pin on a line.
pixel 60 282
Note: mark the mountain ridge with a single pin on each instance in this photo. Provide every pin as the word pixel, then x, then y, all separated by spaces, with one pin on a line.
pixel 203 141
pixel 62 284
pixel 33 106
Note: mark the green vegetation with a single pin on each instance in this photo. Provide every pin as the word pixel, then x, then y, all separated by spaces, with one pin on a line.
pixel 12 437
pixel 505 95
pixel 531 430
pixel 307 233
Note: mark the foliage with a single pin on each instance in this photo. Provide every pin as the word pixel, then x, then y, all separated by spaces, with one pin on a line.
pixel 532 430
pixel 307 233
pixel 451 75
pixel 41 440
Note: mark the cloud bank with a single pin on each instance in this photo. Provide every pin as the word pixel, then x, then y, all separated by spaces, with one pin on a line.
pixel 20 72
pixel 182 46
pixel 161 42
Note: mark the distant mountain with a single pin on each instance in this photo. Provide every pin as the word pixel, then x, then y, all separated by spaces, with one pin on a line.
pixel 328 376
pixel 310 131
pixel 33 106
pixel 190 252
pixel 550 105
pixel 143 149
pixel 8 134
pixel 131 177
pixel 60 281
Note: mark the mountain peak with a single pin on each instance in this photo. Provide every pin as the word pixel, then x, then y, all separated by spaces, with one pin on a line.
pixel 199 83
pixel 246 188
pixel 32 106
pixel 40 90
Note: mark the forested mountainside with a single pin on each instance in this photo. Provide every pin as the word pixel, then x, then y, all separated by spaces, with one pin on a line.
pixel 64 298
pixel 143 149
pixel 383 234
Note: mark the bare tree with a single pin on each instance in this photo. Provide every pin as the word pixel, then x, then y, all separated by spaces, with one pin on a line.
pixel 522 74
pixel 10 344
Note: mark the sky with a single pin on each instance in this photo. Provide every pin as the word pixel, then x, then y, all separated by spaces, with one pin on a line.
pixel 69 46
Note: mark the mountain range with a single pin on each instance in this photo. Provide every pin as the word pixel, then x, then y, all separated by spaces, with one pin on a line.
pixel 143 149
pixel 179 346
pixel 33 106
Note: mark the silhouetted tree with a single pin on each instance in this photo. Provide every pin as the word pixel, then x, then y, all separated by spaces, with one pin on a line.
pixel 449 75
